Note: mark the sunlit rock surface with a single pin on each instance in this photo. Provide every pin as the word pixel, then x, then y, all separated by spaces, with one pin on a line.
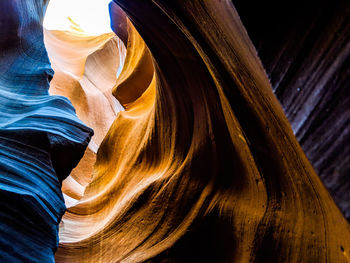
pixel 202 166
pixel 86 63
pixel 41 138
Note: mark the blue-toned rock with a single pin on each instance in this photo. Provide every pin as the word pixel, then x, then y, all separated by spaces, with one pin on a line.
pixel 41 138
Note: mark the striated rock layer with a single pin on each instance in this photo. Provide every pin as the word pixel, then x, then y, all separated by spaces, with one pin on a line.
pixel 306 55
pixel 41 138
pixel 86 68
pixel 202 166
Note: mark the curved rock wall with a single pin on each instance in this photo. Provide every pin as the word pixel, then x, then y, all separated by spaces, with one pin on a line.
pixel 306 55
pixel 203 165
pixel 86 68
pixel 41 138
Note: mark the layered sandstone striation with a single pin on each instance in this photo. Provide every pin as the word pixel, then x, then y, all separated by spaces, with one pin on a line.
pixel 41 138
pixel 193 158
pixel 202 166
pixel 306 55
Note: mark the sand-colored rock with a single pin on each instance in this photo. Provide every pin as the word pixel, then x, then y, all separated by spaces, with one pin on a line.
pixel 204 166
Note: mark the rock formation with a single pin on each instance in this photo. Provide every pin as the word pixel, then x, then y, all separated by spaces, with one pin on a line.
pixel 306 56
pixel 203 166
pixel 41 139
pixel 201 163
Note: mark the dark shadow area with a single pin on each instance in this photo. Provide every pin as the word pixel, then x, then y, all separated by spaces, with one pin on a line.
pixel 304 47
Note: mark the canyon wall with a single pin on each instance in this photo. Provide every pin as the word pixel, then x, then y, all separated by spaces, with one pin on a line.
pixel 202 166
pixel 41 138
pixel 193 158
pixel 304 46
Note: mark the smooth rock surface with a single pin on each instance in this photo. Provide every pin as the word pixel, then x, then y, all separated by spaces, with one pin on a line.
pixel 203 165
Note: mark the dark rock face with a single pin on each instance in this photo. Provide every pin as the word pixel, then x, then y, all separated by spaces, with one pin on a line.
pixel 31 201
pixel 304 46
pixel 41 139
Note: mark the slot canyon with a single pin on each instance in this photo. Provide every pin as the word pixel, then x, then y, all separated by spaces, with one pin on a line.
pixel 174 131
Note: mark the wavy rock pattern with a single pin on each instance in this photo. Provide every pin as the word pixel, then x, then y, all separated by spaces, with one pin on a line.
pixel 202 166
pixel 306 56
pixel 86 71
pixel 41 138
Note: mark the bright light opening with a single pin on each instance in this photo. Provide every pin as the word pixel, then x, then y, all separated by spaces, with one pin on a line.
pixel 88 17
